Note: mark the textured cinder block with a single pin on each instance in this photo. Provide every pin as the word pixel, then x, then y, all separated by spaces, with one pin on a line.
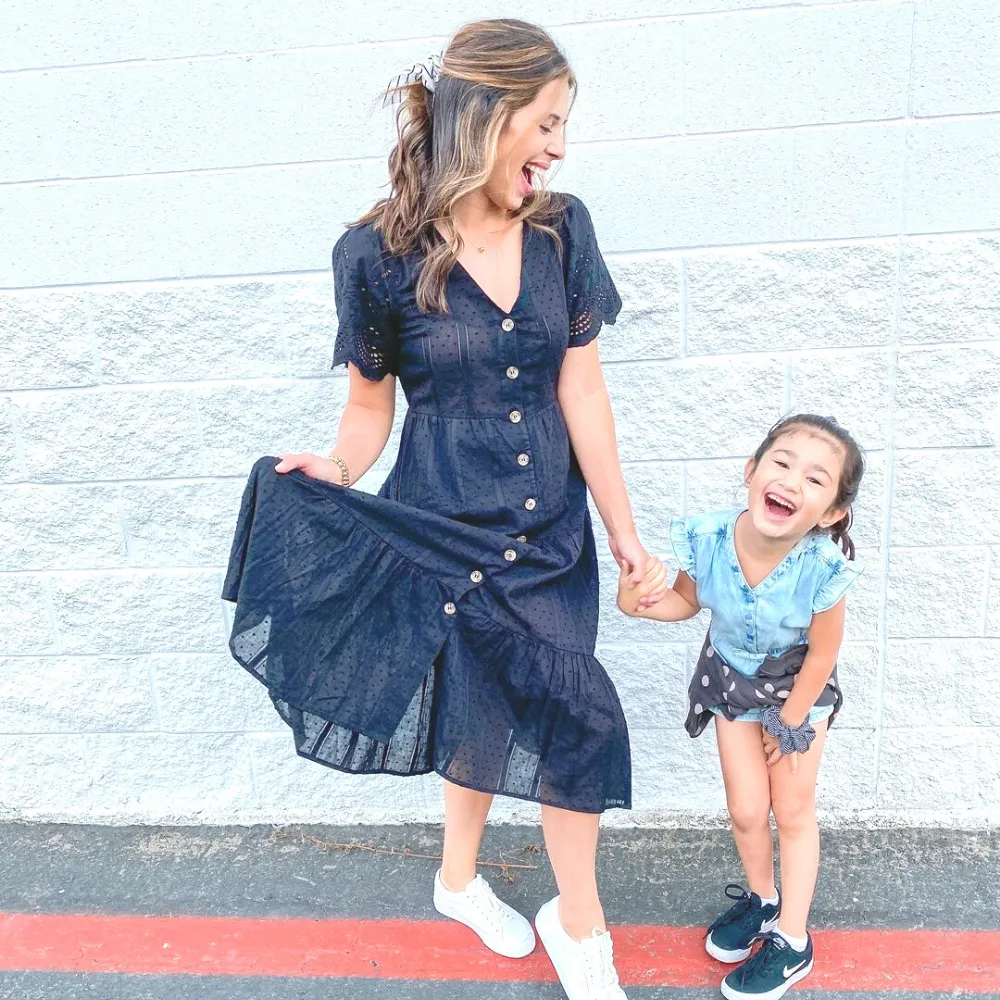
pixel 139 611
pixel 718 484
pixel 697 191
pixel 242 422
pixel 46 341
pixel 262 221
pixel 26 625
pixel 848 777
pixel 935 592
pixel 210 692
pixel 182 331
pixel 853 386
pixel 869 509
pixel 858 676
pixel 864 599
pixel 11 468
pixel 615 101
pixel 187 524
pixel 947 396
pixel 785 68
pixel 309 324
pixel 948 289
pixel 656 494
pixel 950 173
pixel 179 115
pixel 651 681
pixel 88 31
pixel 993 596
pixel 931 505
pixel 75 694
pixel 60 527
pixel 847 181
pixel 928 683
pixel 649 325
pixel 290 789
pixel 942 772
pixel 164 779
pixel 693 408
pixel 956 66
pixel 674 775
pixel 773 300
pixel 620 630
pixel 44 777
pixel 129 434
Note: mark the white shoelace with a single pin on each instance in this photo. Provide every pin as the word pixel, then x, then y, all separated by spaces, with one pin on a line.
pixel 491 907
pixel 599 966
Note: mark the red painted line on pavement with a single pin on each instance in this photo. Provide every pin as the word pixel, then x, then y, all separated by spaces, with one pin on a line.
pixel 847 960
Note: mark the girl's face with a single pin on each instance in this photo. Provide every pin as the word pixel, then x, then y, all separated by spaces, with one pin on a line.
pixel 530 143
pixel 794 486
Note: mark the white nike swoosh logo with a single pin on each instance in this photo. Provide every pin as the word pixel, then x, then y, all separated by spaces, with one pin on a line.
pixel 786 972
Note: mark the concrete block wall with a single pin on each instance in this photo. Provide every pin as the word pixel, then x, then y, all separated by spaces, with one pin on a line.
pixel 799 203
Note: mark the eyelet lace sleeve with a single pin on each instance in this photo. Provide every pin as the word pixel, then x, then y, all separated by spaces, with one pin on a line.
pixel 366 333
pixel 591 296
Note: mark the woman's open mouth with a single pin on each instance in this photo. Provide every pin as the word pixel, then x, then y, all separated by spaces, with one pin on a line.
pixel 527 180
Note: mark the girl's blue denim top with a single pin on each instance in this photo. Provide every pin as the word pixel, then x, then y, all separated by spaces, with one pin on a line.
pixel 749 623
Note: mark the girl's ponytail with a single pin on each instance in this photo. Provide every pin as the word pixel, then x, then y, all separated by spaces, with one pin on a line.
pixel 839 533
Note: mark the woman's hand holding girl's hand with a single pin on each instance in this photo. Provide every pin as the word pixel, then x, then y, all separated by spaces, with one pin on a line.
pixel 633 559
pixel 634 597
pixel 312 465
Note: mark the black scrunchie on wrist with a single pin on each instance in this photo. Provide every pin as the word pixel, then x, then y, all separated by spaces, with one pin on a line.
pixel 789 740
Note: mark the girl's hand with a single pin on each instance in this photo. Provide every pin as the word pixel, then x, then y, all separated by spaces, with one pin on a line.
pixel 312 465
pixel 633 558
pixel 772 750
pixel 653 579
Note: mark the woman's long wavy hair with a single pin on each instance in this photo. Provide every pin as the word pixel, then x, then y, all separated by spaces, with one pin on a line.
pixel 447 143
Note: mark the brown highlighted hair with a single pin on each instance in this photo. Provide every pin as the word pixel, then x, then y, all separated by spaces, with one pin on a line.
pixel 851 473
pixel 447 143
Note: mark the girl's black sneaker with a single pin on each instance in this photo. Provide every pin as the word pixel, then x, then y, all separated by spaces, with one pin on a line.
pixel 731 937
pixel 772 969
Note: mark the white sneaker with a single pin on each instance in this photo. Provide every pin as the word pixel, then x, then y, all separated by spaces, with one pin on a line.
pixel 501 928
pixel 586 968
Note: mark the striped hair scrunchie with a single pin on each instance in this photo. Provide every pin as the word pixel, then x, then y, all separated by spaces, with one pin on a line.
pixel 425 73
pixel 789 740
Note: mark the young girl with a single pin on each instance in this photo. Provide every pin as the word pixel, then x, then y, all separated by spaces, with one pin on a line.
pixel 774 575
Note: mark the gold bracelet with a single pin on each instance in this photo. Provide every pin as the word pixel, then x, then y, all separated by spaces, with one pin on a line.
pixel 345 475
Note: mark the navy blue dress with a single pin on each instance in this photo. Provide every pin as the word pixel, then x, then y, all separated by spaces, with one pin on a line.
pixel 447 624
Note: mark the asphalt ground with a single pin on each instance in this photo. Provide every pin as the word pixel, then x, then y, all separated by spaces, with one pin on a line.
pixel 307 912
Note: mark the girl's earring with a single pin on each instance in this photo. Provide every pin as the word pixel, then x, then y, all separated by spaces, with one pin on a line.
pixel 742 494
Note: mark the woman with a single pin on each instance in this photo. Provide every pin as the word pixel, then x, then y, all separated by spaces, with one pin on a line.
pixel 449 623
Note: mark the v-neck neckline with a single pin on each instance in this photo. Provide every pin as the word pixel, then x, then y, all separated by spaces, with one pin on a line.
pixel 521 283
pixel 774 569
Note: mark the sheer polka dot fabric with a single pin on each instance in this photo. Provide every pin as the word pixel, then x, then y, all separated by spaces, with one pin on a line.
pixel 447 624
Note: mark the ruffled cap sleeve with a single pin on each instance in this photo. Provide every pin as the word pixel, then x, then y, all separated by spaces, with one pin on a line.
pixel 842 574
pixel 591 296
pixel 366 330
pixel 680 544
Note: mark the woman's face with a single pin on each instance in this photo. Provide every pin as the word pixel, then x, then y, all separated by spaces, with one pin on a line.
pixel 533 139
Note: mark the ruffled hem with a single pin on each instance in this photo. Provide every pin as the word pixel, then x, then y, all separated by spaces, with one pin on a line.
pixel 680 544
pixel 381 664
